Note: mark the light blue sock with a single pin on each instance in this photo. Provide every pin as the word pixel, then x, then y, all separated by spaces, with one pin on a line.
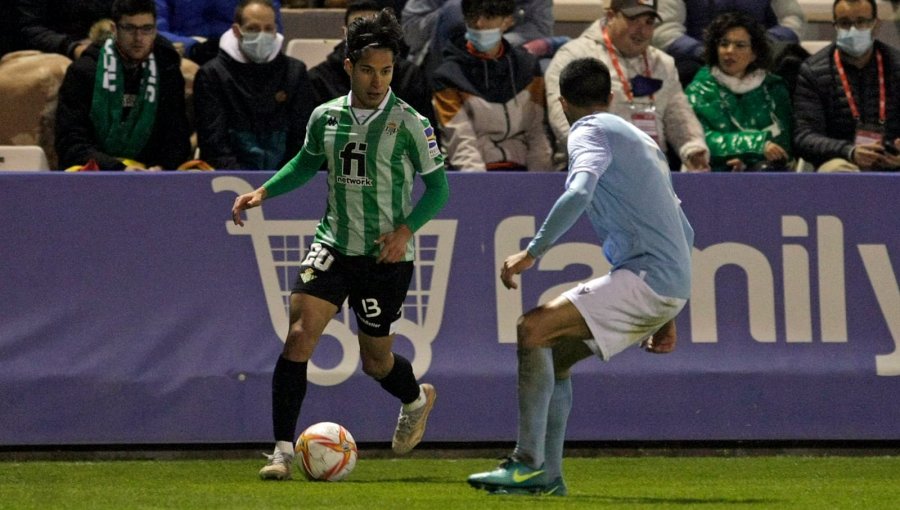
pixel 557 417
pixel 535 389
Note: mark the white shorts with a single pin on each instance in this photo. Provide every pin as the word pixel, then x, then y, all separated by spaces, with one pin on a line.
pixel 620 309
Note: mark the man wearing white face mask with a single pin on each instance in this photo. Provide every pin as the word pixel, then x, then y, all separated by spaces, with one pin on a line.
pixel 252 102
pixel 846 104
pixel 489 96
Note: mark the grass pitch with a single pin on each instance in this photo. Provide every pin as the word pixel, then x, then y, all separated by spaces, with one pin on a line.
pixel 422 483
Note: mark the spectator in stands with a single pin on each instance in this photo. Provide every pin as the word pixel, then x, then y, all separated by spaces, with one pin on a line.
pixel 122 103
pixel 847 101
pixel 427 25
pixel 646 89
pixel 252 102
pixel 683 21
pixel 489 96
pixel 196 25
pixel 330 79
pixel 60 26
pixel 744 109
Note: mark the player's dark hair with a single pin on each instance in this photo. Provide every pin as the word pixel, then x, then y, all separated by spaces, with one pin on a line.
pixel 585 82
pixel 354 6
pixel 239 10
pixel 873 3
pixel 381 32
pixel 132 8
pixel 488 8
pixel 724 22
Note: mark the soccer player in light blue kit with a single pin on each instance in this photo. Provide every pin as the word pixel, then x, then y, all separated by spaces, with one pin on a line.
pixel 620 178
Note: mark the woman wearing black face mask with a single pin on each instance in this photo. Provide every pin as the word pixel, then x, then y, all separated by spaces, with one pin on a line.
pixel 744 109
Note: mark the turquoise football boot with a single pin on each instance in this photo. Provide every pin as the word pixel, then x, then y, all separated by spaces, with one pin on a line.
pixel 511 477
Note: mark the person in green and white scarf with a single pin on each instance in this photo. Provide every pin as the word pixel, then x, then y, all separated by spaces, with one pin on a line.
pixel 122 103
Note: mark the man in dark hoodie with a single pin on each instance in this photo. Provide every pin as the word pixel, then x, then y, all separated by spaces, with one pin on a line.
pixel 252 102
pixel 330 80
pixel 122 103
pixel 489 96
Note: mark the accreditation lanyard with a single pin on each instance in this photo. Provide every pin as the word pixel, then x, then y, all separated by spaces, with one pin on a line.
pixel 882 101
pixel 615 62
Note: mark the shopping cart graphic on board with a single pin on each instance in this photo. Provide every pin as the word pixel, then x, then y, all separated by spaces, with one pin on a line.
pixel 280 245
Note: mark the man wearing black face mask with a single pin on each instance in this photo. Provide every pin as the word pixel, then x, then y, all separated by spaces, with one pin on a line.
pixel 846 104
pixel 252 102
pixel 645 86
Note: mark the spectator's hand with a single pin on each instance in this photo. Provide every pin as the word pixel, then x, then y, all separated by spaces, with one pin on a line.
pixel 697 162
pixel 538 47
pixel 736 165
pixel 870 155
pixel 247 201
pixel 513 265
pixel 774 152
pixel 393 245
pixel 83 45
pixel 892 160
pixel 663 341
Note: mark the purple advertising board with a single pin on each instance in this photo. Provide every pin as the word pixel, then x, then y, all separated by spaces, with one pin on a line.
pixel 133 311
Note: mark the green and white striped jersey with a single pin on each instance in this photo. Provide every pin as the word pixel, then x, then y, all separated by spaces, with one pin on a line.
pixel 371 168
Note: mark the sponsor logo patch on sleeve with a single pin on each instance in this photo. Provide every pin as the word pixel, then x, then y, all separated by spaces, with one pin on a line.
pixel 433 149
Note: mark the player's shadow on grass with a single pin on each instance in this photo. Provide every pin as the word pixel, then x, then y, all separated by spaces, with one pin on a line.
pixel 648 500
pixel 406 479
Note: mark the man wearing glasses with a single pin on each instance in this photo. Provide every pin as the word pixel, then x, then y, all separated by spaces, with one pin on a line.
pixel 121 105
pixel 645 85
pixel 846 104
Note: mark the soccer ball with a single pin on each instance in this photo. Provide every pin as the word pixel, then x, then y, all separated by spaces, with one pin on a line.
pixel 326 451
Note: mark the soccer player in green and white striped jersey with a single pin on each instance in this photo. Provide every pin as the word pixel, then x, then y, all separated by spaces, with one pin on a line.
pixel 374 145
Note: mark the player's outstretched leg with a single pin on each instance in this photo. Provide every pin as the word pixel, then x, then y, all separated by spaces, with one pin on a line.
pixel 511 477
pixel 278 466
pixel 411 422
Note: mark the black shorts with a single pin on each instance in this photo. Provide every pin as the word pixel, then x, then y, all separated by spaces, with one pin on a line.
pixel 376 291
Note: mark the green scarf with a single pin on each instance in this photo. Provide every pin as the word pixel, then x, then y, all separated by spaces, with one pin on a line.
pixel 123 138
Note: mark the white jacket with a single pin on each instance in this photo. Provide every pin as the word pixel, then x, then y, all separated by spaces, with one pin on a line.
pixel 675 118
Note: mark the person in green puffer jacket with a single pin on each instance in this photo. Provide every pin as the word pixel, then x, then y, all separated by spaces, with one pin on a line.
pixel 745 110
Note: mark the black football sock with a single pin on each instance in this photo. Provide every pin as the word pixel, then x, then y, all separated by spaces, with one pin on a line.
pixel 288 390
pixel 400 381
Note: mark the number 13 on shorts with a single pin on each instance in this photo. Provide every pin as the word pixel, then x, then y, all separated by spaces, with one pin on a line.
pixel 371 308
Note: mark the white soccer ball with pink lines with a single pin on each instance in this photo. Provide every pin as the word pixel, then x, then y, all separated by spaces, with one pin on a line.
pixel 326 451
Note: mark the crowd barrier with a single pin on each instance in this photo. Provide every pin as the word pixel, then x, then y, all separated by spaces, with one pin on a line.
pixel 133 311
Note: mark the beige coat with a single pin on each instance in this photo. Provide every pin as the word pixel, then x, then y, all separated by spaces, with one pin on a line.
pixel 675 118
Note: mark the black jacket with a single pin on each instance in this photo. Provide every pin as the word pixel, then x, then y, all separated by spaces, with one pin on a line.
pixel 329 80
pixel 251 116
pixel 57 26
pixel 76 140
pixel 824 127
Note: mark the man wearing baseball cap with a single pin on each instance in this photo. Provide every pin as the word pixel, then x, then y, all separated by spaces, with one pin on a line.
pixel 645 86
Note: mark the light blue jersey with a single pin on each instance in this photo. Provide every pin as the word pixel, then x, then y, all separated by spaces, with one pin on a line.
pixel 631 204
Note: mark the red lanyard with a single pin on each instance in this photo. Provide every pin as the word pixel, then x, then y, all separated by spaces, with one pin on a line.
pixel 615 62
pixel 882 101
